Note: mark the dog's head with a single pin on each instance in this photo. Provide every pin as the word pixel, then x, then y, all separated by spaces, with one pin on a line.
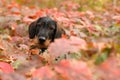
pixel 45 30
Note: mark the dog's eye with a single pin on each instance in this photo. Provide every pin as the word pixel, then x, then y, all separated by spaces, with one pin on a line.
pixel 51 27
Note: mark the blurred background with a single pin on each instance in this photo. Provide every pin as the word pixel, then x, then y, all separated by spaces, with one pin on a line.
pixel 97 5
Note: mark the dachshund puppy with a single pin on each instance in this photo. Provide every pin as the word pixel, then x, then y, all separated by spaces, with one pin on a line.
pixel 44 31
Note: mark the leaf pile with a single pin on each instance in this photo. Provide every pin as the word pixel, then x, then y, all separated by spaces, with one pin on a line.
pixel 90 50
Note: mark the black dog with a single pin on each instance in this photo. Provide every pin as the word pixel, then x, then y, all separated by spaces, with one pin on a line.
pixel 44 31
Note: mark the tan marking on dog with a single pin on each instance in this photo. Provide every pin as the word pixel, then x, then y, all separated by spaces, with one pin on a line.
pixel 38 45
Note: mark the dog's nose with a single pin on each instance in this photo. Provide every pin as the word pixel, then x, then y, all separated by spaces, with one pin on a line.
pixel 42 39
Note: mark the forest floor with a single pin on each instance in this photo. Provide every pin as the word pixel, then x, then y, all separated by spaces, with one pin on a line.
pixel 92 51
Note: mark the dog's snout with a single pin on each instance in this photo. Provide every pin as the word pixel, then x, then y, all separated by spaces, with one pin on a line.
pixel 42 39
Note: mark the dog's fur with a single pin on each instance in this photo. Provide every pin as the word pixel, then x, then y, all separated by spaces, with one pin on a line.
pixel 44 31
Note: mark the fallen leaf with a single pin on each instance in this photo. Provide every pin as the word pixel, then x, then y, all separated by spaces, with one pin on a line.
pixel 6 68
pixel 34 51
pixel 64 46
pixel 44 73
pixel 110 69
pixel 73 70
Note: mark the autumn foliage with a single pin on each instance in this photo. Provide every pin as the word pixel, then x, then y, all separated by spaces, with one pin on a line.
pixel 90 50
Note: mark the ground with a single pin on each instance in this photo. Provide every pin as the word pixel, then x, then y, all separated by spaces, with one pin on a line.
pixel 90 50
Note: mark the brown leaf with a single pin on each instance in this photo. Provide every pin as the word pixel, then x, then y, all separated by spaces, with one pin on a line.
pixel 12 76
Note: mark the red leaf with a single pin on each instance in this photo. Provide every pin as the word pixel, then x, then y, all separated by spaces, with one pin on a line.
pixel 73 70
pixel 43 73
pixel 78 43
pixel 63 46
pixel 6 68
pixel 110 69
pixel 118 21
pixel 60 46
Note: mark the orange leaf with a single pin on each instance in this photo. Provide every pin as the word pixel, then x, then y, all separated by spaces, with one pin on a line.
pixel 34 51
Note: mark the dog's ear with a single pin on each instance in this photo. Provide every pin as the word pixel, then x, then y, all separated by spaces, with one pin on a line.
pixel 58 32
pixel 32 30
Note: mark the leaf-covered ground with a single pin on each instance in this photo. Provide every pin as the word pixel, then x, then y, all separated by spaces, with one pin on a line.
pixel 89 51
